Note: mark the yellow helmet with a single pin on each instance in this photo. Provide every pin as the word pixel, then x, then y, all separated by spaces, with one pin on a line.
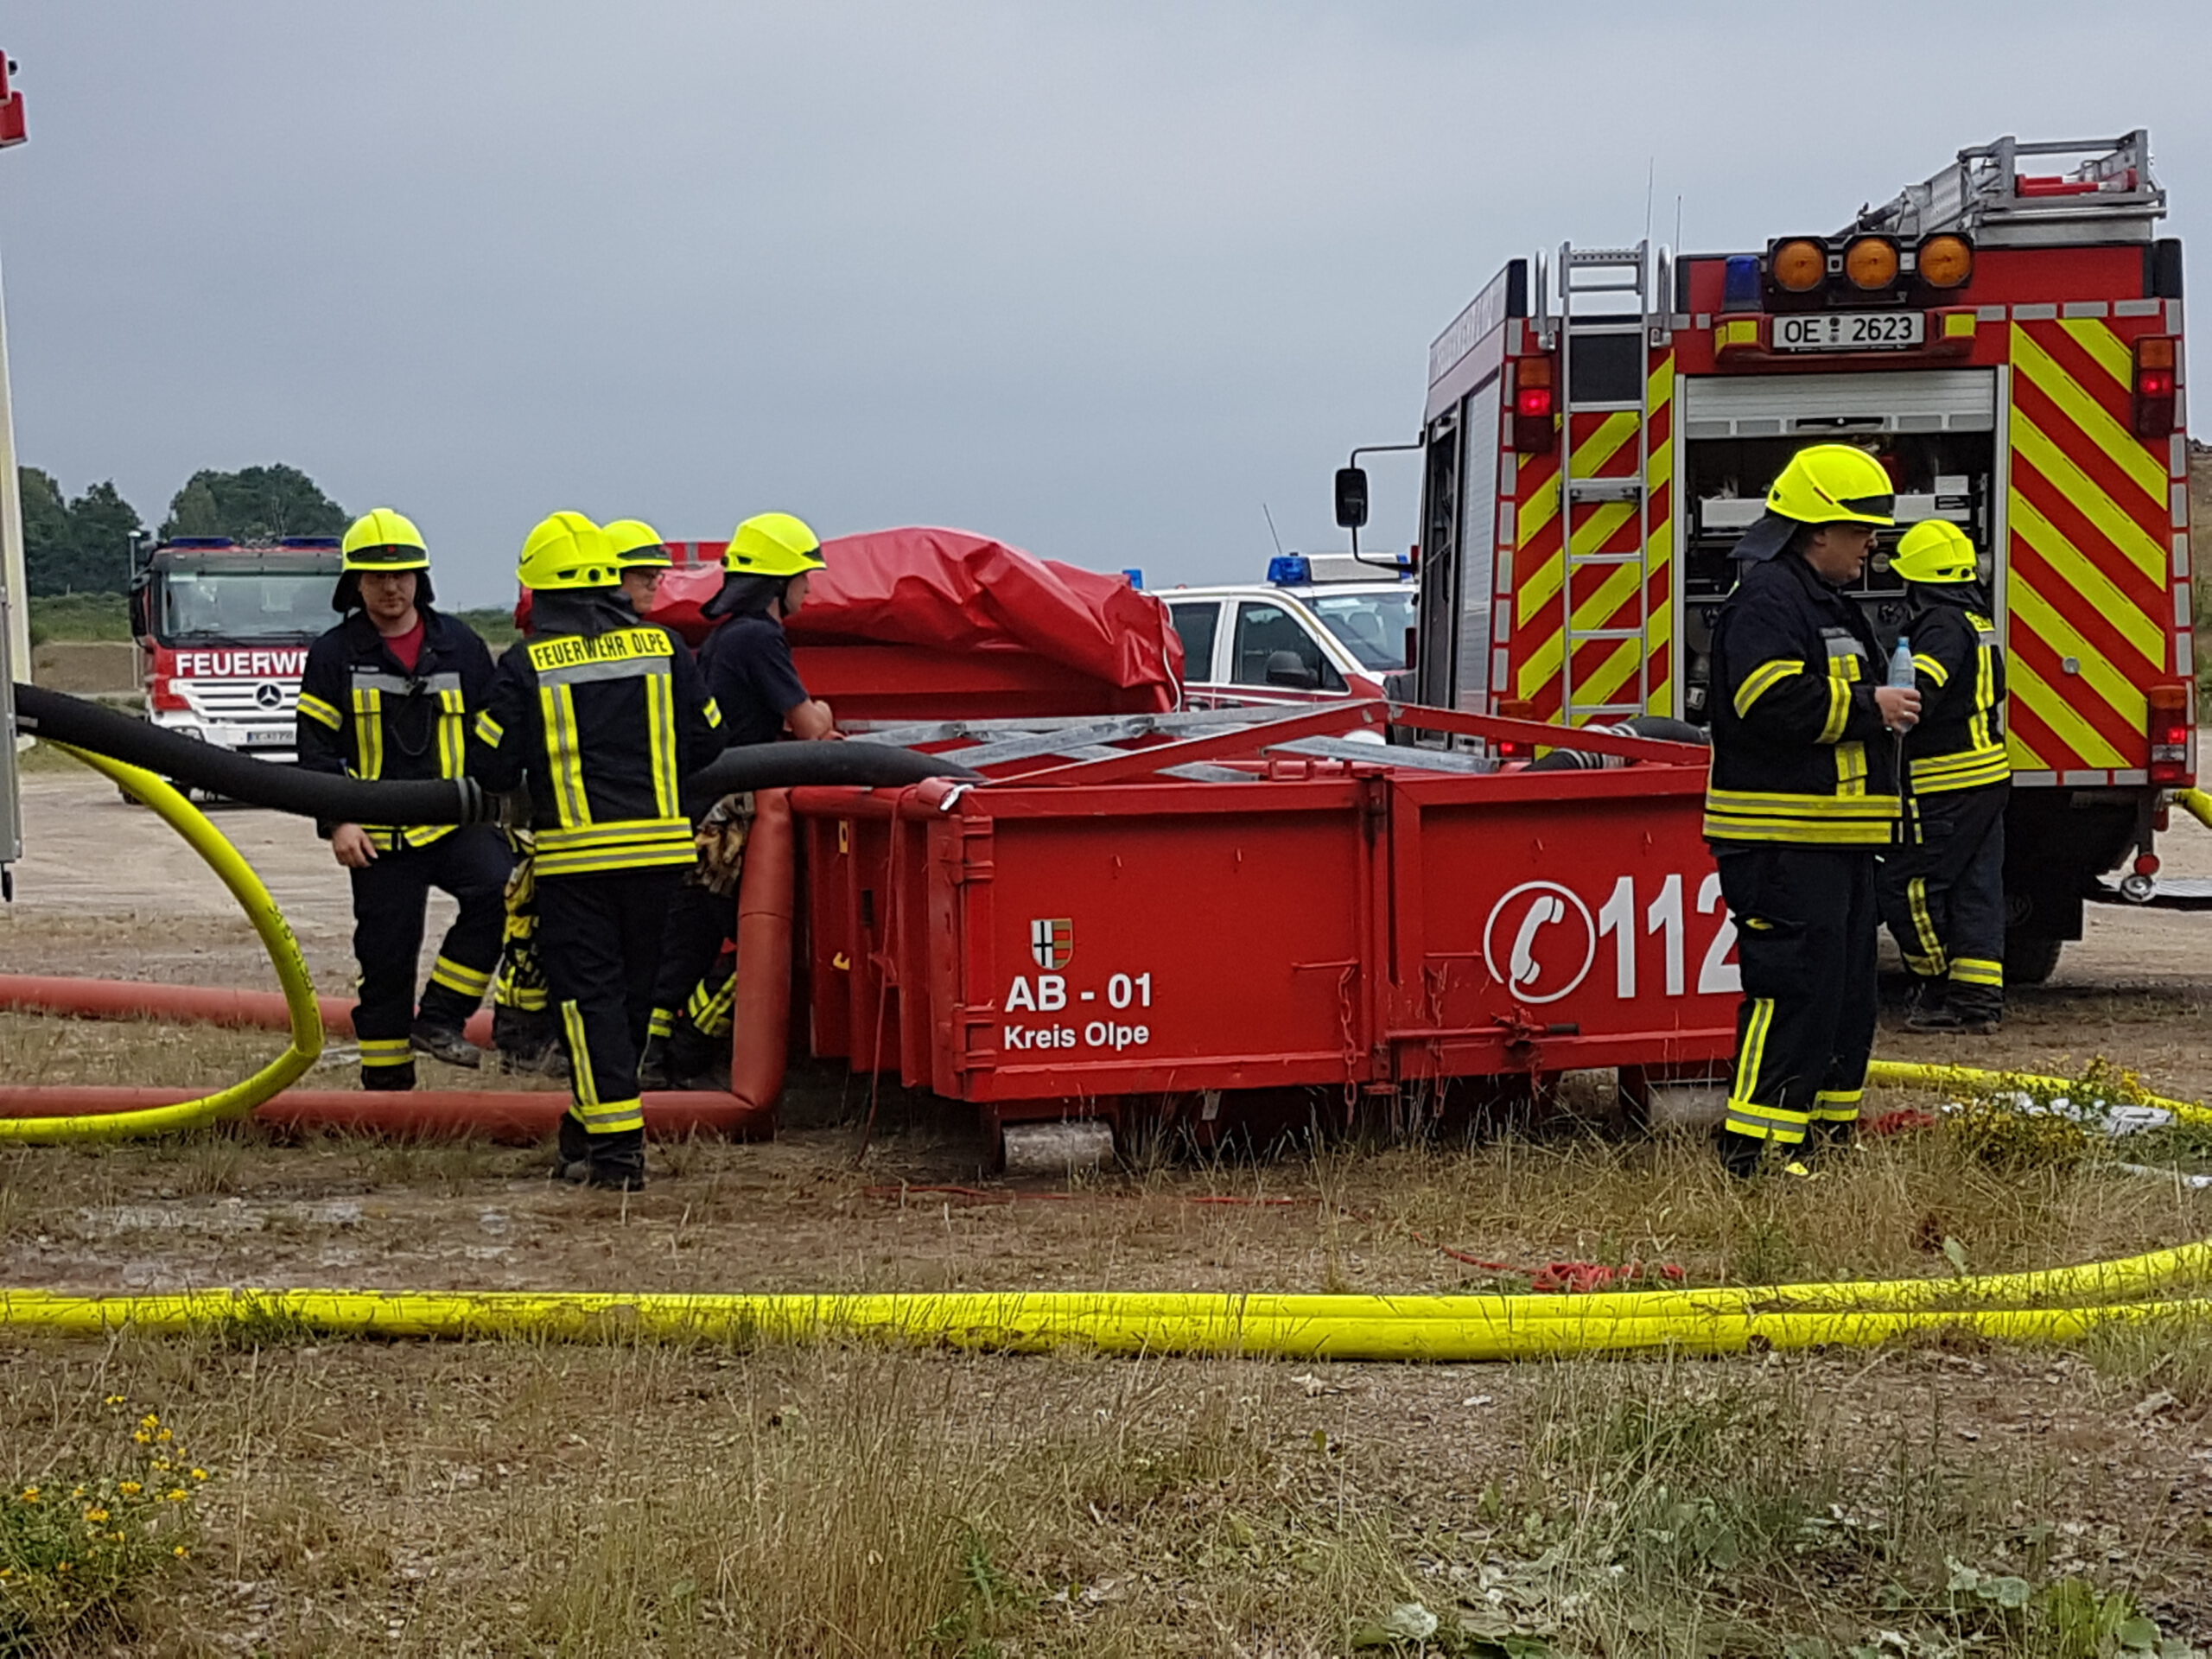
pixel 567 550
pixel 1824 484
pixel 1936 550
pixel 381 539
pixel 638 545
pixel 774 544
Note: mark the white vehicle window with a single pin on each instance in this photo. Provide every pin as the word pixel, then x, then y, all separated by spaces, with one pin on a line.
pixel 1198 621
pixel 1263 629
pixel 1372 626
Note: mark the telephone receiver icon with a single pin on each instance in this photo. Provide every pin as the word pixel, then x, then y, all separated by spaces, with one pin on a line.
pixel 1548 909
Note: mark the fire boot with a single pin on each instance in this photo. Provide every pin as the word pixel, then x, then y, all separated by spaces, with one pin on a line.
pixel 1740 1154
pixel 526 1043
pixel 444 1043
pixel 1975 1010
pixel 1928 1007
pixel 695 1060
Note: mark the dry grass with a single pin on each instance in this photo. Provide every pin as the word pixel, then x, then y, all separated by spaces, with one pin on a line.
pixel 514 1498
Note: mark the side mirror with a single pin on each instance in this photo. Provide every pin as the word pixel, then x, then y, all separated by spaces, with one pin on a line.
pixel 1286 669
pixel 1352 498
pixel 139 628
pixel 1413 649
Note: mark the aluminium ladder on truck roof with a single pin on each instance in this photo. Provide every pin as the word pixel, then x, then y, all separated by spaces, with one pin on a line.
pixel 1607 281
pixel 2109 195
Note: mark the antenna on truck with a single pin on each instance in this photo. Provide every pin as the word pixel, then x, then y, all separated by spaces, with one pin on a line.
pixel 1271 529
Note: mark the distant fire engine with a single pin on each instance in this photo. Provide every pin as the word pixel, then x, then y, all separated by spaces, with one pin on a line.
pixel 1601 427
pixel 223 631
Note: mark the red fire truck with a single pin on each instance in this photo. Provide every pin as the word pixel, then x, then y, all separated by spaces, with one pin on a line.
pixel 2007 337
pixel 223 631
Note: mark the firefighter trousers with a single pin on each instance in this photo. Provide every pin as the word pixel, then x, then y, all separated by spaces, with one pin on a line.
pixel 390 898
pixel 1805 936
pixel 598 940
pixel 1943 896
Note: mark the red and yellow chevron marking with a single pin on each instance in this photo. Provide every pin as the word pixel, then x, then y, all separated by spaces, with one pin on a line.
pixel 2091 520
pixel 1633 592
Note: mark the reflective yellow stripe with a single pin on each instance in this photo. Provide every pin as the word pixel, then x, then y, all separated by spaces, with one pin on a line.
pixel 660 724
pixel 1924 927
pixel 1838 1105
pixel 613 1116
pixel 1976 970
pixel 583 1086
pixel 714 712
pixel 1851 769
pixel 1764 678
pixel 2055 712
pixel 661 1023
pixel 1839 710
pixel 1752 802
pixel 1943 775
pixel 319 711
pixel 620 858
pixel 453 735
pixel 2120 446
pixel 387 1051
pixel 1933 668
pixel 614 830
pixel 489 730
pixel 1808 832
pixel 564 755
pixel 457 976
pixel 368 732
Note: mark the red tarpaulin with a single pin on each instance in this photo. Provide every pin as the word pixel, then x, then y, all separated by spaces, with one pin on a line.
pixel 947 590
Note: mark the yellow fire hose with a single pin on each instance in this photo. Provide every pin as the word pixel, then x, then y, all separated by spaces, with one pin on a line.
pixel 2196 803
pixel 284 955
pixel 1332 1327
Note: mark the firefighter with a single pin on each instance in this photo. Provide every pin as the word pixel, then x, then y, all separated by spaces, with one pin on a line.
pixel 389 693
pixel 599 716
pixel 1803 797
pixel 1942 890
pixel 643 559
pixel 767 567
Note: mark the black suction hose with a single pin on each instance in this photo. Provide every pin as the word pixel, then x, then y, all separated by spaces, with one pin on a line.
pixel 1661 727
pixel 237 777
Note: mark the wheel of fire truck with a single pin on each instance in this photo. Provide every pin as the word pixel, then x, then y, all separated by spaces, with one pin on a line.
pixel 2030 958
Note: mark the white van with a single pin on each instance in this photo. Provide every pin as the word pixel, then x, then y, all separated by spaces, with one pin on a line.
pixel 1322 626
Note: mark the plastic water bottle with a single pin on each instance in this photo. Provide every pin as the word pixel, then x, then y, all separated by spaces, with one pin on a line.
pixel 1902 675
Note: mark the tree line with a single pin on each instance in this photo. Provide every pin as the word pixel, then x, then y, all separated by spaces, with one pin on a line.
pixel 82 545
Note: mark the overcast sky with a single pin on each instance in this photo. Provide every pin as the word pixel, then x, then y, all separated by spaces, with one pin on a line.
pixel 1097 279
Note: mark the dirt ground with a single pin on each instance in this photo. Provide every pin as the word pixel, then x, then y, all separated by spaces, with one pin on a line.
pixel 1455 1479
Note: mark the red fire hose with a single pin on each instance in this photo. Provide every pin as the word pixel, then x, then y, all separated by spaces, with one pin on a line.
pixel 767 900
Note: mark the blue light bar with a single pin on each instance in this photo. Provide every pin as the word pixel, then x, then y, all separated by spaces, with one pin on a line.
pixel 1739 289
pixel 1135 576
pixel 1289 570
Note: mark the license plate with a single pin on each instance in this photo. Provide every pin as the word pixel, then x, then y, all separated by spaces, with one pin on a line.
pixel 1850 331
pixel 268 739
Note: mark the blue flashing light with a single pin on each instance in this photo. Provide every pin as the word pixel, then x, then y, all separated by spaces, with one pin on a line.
pixel 306 541
pixel 1135 576
pixel 1739 289
pixel 1289 570
pixel 201 541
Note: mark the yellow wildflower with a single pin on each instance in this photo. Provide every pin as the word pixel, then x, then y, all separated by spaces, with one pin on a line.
pixel 200 1474
pixel 130 1489
pixel 97 1517
pixel 178 1496
pixel 149 1421
pixel 180 1552
pixel 165 1435
pixel 115 1400
pixel 30 1494
pixel 142 1437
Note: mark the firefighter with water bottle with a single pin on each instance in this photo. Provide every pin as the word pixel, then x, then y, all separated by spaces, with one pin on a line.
pixel 1803 797
pixel 1943 889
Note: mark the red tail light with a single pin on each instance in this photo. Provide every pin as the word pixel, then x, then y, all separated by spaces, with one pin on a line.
pixel 1534 407
pixel 2156 384
pixel 1508 748
pixel 168 701
pixel 2171 760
